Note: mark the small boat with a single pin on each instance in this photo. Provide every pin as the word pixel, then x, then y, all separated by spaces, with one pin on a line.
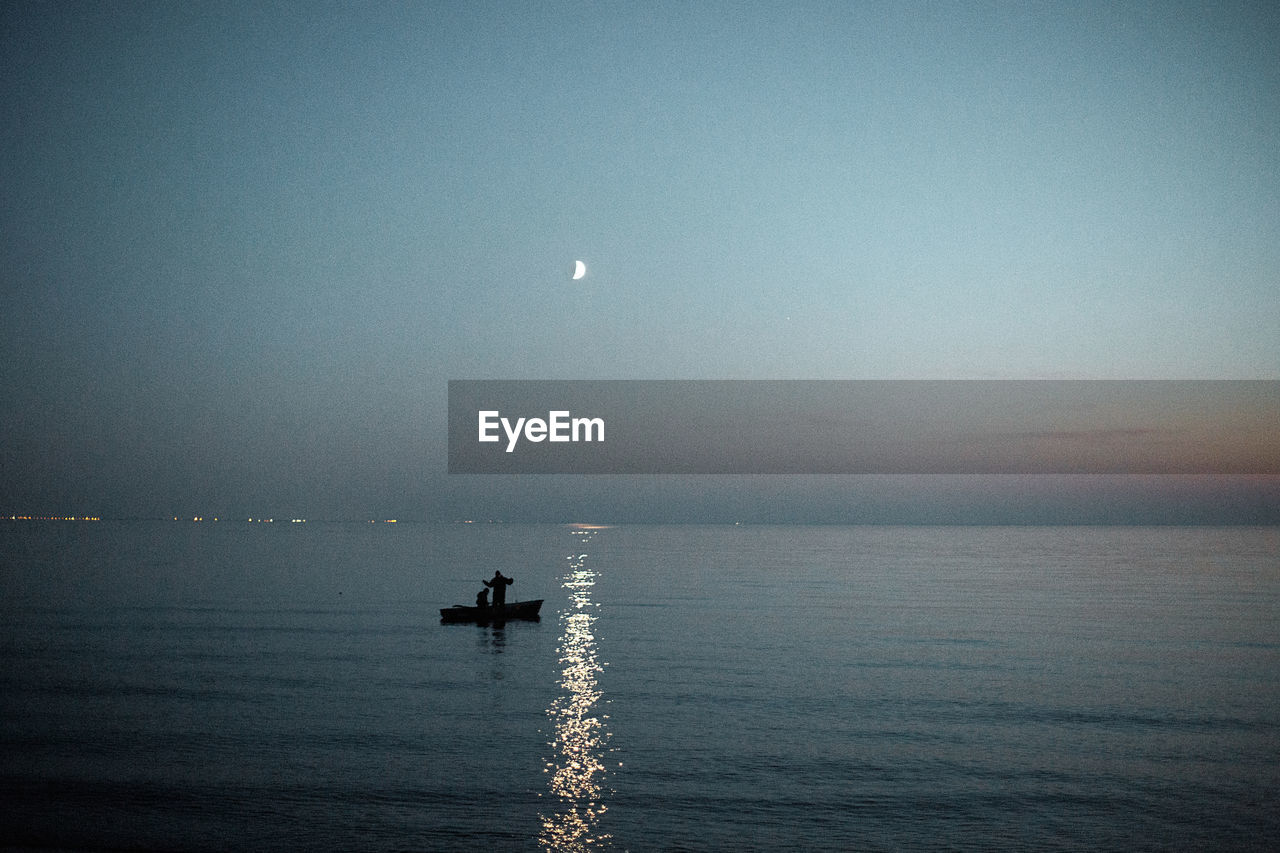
pixel 483 615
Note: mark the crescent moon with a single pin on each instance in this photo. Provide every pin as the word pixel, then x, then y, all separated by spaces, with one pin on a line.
pixel 579 270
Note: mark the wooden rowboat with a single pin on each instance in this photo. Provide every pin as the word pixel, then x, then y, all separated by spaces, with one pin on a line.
pixel 481 615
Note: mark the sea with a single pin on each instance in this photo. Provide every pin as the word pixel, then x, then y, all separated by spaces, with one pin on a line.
pixel 202 686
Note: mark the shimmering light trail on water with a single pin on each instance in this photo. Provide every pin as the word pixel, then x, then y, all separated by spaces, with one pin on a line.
pixel 577 764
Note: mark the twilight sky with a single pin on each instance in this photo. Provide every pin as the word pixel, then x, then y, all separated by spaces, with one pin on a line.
pixel 243 246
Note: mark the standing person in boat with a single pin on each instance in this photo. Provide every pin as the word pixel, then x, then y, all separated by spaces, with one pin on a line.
pixel 499 587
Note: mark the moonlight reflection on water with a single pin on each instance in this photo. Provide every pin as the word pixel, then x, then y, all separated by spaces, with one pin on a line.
pixel 576 765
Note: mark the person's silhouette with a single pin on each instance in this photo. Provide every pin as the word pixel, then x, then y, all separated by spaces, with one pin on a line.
pixel 499 586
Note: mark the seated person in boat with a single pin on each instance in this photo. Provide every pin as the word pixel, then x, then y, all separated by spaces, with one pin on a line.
pixel 482 599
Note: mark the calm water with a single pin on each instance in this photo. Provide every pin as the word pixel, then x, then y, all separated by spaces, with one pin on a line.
pixel 234 686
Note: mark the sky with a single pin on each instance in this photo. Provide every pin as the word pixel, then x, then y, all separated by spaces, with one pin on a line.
pixel 244 246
